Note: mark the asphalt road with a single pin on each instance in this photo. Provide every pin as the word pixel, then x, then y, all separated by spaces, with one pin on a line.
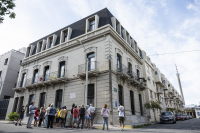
pixel 188 126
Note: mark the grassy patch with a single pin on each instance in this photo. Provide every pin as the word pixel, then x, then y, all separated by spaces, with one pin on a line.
pixel 141 126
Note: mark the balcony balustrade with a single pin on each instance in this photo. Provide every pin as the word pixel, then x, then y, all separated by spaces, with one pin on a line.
pixel 171 98
pixel 135 80
pixel 47 79
pixel 123 71
pixel 166 96
pixel 93 69
pixel 159 91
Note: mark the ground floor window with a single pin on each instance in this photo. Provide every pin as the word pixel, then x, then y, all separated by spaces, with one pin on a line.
pixel 132 102
pixel 90 96
pixel 21 100
pixel 42 99
pixel 120 95
pixel 140 102
pixel 59 98
pixel 15 104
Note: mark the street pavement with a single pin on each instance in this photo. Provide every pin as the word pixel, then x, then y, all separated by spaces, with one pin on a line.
pixel 188 126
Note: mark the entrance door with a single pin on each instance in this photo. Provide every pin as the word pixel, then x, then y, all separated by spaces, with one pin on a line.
pixel 90 96
pixel 21 100
pixel 132 102
pixel 15 104
pixel 31 99
pixel 140 102
pixel 120 95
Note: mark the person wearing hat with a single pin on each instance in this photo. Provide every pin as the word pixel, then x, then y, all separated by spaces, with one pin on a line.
pixel 62 117
pixel 52 112
pixel 31 115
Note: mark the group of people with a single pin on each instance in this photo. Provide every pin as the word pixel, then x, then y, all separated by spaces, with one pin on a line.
pixel 78 115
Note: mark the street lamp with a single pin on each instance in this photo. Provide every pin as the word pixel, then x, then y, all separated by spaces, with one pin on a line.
pixel 86 84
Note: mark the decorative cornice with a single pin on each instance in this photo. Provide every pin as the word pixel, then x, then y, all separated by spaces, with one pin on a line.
pixel 62 58
pixel 47 63
pixel 36 67
pixel 119 51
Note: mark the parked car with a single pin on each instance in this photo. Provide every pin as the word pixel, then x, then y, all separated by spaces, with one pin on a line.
pixel 190 116
pixel 185 117
pixel 179 116
pixel 167 117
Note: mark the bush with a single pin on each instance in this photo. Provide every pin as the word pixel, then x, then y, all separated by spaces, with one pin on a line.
pixel 13 116
pixel 141 126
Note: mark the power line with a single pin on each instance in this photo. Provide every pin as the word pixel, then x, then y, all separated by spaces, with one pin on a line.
pixel 175 52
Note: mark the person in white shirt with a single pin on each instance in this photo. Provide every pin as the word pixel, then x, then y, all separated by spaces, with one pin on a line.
pixel 31 115
pixel 46 116
pixel 92 109
pixel 121 116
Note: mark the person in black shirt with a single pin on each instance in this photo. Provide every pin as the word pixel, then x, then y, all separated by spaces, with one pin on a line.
pixel 82 116
pixel 21 116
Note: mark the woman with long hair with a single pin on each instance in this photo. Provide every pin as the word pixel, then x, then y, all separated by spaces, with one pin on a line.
pixel 46 116
pixel 105 115
pixel 88 117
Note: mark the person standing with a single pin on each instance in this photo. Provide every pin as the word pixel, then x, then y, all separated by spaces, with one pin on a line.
pixel 66 112
pixel 105 115
pixel 36 117
pixel 92 110
pixel 57 116
pixel 62 117
pixel 71 115
pixel 41 116
pixel 31 115
pixel 21 116
pixel 52 112
pixel 121 116
pixel 46 116
pixel 88 117
pixel 75 116
pixel 82 116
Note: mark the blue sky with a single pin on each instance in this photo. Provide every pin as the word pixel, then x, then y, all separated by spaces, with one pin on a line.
pixel 159 26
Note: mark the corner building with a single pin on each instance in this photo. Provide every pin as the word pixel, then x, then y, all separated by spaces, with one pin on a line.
pixel 54 69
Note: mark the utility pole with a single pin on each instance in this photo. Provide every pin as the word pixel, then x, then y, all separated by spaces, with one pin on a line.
pixel 180 87
pixel 110 87
pixel 86 82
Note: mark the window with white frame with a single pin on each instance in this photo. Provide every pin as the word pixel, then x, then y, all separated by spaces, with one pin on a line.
pixel 151 94
pixel 65 35
pixel 50 42
pixel 92 25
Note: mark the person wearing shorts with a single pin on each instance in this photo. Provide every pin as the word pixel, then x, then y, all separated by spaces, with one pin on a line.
pixel 88 117
pixel 62 117
pixel 57 116
pixel 121 116
pixel 75 116
pixel 36 117
pixel 21 116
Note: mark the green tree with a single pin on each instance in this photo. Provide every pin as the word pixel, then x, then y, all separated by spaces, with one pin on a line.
pixel 153 105
pixel 5 9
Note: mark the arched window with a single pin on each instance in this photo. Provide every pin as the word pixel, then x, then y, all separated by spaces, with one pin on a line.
pixel 91 61
pixel 46 73
pixel 138 73
pixel 62 69
pixel 35 76
pixel 119 62
pixel 22 83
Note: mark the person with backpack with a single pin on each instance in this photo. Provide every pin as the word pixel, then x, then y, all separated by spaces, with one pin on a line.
pixel 21 116
pixel 105 115
pixel 41 116
pixel 62 117
pixel 71 115
pixel 121 116
pixel 31 115
pixel 81 116
pixel 52 112
pixel 75 116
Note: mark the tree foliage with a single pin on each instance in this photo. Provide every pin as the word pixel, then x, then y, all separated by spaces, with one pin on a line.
pixel 5 9
pixel 153 105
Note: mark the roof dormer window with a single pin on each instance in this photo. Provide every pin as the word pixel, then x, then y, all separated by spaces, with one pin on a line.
pixel 51 41
pixel 92 23
pixel 65 35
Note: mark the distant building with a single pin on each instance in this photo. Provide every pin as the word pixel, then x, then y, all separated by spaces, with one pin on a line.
pixel 10 63
pixel 192 110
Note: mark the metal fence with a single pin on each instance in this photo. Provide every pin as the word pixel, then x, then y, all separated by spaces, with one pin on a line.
pixel 93 65
pixel 3 108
